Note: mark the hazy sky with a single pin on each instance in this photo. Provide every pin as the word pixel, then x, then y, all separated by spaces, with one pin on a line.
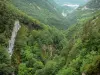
pixel 79 2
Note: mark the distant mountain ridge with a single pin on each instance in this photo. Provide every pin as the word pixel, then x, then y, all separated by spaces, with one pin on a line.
pixel 46 11
pixel 93 4
pixel 83 12
pixel 68 6
pixel 80 2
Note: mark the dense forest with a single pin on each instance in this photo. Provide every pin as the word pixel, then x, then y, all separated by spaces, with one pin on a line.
pixel 48 43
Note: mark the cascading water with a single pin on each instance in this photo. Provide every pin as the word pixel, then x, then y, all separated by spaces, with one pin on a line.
pixel 13 37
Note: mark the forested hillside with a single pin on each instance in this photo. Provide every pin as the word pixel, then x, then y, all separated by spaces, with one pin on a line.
pixel 40 49
pixel 8 15
pixel 46 11
pixel 83 12
pixel 94 4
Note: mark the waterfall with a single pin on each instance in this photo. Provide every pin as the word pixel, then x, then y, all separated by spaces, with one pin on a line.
pixel 13 37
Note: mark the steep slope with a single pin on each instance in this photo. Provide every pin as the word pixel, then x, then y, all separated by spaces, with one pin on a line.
pixel 44 50
pixel 47 11
pixel 83 51
pixel 30 44
pixel 82 12
pixel 68 6
pixel 8 15
pixel 93 4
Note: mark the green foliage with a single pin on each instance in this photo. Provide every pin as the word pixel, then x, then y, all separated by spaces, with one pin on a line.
pixel 4 58
pixel 23 70
pixel 5 68
pixel 94 4
pixel 8 15
pixel 49 69
pixel 47 50
pixel 47 12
